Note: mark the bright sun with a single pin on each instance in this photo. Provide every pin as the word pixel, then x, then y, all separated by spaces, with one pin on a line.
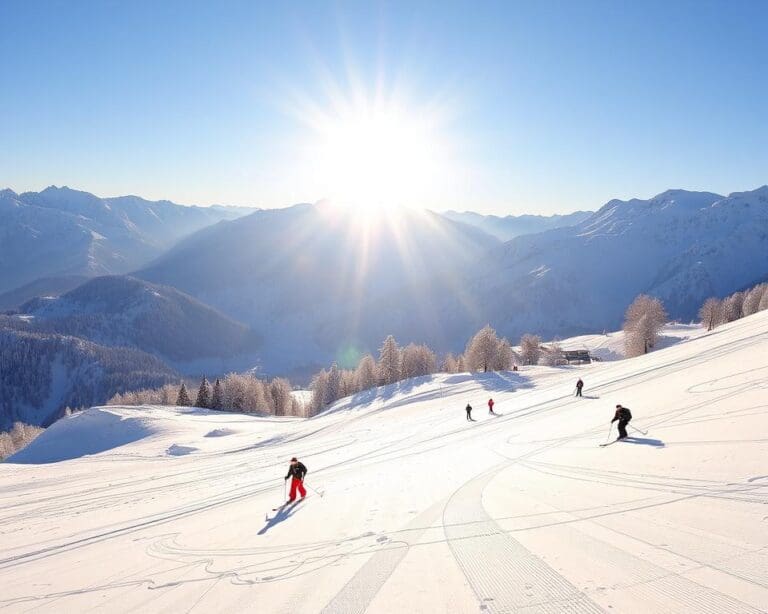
pixel 373 157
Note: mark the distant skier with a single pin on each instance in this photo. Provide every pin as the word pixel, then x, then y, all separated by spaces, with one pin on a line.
pixel 468 409
pixel 579 386
pixel 623 415
pixel 297 471
pixel 490 408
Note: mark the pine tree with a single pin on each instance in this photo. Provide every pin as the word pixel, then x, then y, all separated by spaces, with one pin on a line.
pixel 203 395
pixel 183 399
pixel 217 400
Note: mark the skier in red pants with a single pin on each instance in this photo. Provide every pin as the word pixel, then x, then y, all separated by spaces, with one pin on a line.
pixel 297 471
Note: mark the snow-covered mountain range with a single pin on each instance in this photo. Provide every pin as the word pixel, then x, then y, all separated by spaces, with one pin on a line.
pixel 60 232
pixel 317 286
pixel 321 284
pixel 128 312
pixel 679 246
pixel 508 227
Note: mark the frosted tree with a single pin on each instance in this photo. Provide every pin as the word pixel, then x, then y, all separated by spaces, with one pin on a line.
pixel 365 374
pixel 203 395
pixel 461 364
pixel 335 389
pixel 449 364
pixel 643 321
pixel 763 301
pixel 280 390
pixel 217 397
pixel 482 350
pixel 183 399
pixel 553 355
pixel 530 349
pixel 245 392
pixel 710 313
pixel 505 356
pixel 319 388
pixel 752 300
pixel 389 362
pixel 732 307
pixel 417 360
pixel 348 383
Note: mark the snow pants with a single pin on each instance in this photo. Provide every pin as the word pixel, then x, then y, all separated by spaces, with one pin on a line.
pixel 623 428
pixel 578 392
pixel 469 414
pixel 296 484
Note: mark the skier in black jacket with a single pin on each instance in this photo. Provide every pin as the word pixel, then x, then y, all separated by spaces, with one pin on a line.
pixel 579 386
pixel 297 471
pixel 623 415
pixel 468 408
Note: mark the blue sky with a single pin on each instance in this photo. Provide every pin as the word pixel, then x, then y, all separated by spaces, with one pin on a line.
pixel 539 107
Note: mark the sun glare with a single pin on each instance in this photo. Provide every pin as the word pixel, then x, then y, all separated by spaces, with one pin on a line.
pixel 374 157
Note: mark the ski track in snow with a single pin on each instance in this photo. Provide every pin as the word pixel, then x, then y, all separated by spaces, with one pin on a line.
pixel 523 512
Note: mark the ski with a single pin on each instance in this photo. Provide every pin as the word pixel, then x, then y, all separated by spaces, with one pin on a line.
pixel 603 445
pixel 287 503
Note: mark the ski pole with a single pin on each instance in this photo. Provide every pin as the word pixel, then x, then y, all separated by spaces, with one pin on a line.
pixel 610 428
pixel 317 492
pixel 638 430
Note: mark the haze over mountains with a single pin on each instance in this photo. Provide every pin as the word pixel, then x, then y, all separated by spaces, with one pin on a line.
pixel 288 291
pixel 318 286
pixel 64 233
pixel 511 226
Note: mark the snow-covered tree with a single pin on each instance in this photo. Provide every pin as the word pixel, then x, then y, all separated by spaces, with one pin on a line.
pixel 17 438
pixel 203 395
pixel 319 388
pixel 552 355
pixel 732 307
pixel 763 301
pixel 417 360
pixel 530 349
pixel 280 390
pixel 365 374
pixel 217 398
pixel 752 300
pixel 505 356
pixel 449 364
pixel 245 392
pixel 183 400
pixel 482 350
pixel 710 313
pixel 389 362
pixel 643 321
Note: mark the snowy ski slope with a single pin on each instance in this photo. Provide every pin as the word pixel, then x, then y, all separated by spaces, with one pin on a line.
pixel 422 511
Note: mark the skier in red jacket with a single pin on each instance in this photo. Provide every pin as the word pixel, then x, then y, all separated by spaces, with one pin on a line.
pixel 490 407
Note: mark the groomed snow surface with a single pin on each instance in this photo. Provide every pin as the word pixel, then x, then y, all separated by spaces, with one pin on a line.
pixel 170 510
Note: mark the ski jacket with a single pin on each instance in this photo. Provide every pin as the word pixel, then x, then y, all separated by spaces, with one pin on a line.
pixel 622 413
pixel 579 384
pixel 297 471
pixel 490 403
pixel 468 407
